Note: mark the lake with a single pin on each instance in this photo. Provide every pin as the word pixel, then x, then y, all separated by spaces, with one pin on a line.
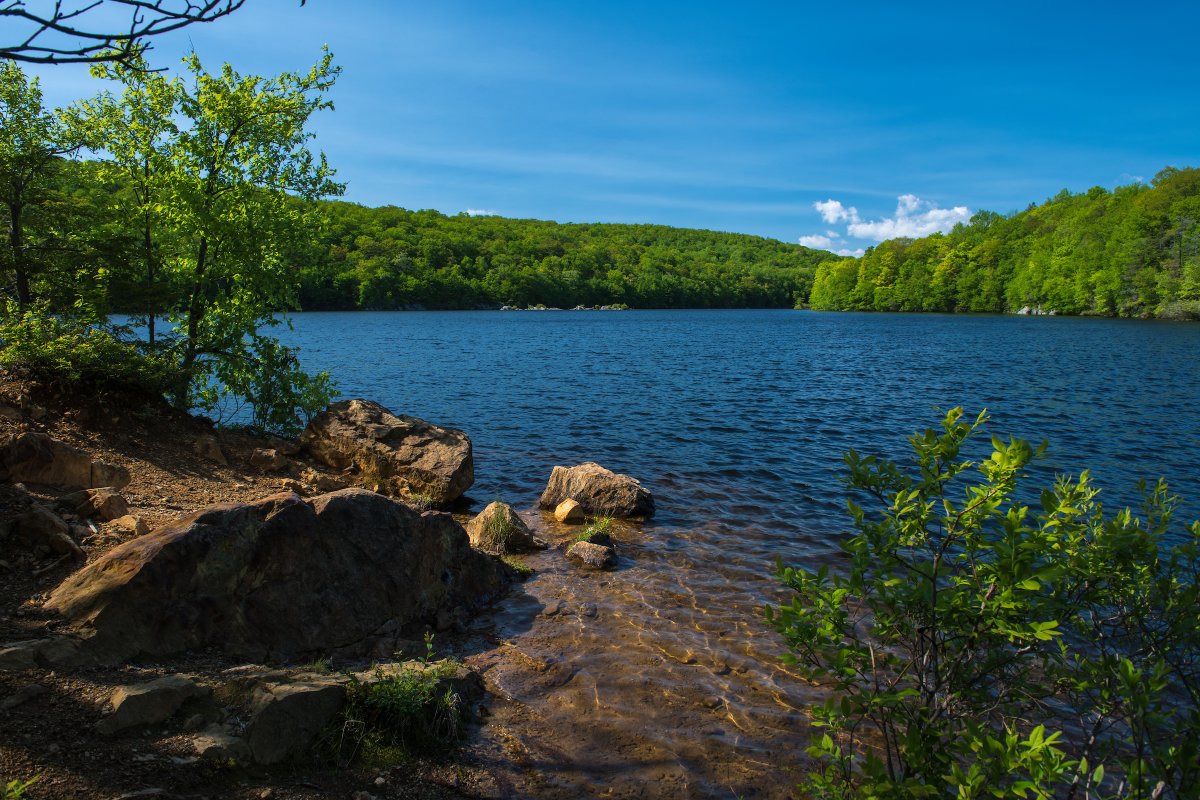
pixel 662 673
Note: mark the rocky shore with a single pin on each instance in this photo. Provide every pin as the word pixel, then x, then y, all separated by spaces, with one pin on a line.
pixel 185 611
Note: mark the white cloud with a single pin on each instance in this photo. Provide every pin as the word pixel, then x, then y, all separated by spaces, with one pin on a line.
pixel 481 212
pixel 818 241
pixel 833 212
pixel 855 253
pixel 914 218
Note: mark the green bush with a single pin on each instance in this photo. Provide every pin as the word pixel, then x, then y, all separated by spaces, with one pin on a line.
pixel 66 352
pixel 973 648
pixel 598 531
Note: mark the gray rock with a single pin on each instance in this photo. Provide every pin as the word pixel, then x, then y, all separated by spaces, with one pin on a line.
pixel 288 717
pixel 147 703
pixel 215 743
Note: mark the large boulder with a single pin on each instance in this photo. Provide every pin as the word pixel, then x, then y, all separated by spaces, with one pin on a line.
pixel 598 491
pixel 277 578
pixel 33 457
pixel 497 529
pixel 403 455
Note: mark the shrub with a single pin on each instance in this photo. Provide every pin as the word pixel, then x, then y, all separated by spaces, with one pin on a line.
pixel 15 790
pixel 68 352
pixel 964 637
pixel 410 709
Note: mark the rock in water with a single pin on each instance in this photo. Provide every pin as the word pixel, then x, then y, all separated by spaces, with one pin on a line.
pixel 36 458
pixel 277 578
pixel 598 491
pixel 569 511
pixel 404 455
pixel 593 556
pixel 497 529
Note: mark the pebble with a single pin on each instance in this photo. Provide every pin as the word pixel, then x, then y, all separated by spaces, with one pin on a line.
pixel 588 610
pixel 380 781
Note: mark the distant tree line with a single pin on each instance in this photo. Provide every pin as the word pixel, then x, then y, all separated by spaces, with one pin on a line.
pixel 1131 252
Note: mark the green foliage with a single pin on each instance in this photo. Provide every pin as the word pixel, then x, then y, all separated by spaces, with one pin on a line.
pixel 66 351
pixel 598 531
pixel 973 648
pixel 1134 251
pixel 15 790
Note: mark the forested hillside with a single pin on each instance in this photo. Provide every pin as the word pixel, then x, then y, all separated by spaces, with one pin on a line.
pixel 392 258
pixel 1132 252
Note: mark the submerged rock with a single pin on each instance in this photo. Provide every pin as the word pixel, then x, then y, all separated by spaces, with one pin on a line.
pixel 277 578
pixel 404 455
pixel 598 491
pixel 593 556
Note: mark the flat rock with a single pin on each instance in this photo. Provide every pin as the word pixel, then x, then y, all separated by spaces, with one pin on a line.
pixel 277 578
pixel 33 457
pixel 499 530
pixel 147 703
pixel 592 556
pixel 404 455
pixel 598 491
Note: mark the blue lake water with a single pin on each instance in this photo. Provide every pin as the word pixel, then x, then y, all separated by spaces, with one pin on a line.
pixel 662 673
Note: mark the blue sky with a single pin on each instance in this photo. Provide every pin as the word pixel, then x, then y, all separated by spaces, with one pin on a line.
pixel 844 123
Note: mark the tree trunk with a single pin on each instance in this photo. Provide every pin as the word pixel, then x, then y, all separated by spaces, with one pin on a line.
pixel 195 315
pixel 16 242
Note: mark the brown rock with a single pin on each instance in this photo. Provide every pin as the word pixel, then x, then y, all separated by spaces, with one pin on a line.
pixel 594 556
pixel 208 447
pixel 135 525
pixel 406 456
pixel 215 743
pixel 569 511
pixel 497 529
pixel 277 578
pixel 268 460
pixel 36 458
pixel 321 481
pixel 598 491
pixel 105 503
pixel 40 528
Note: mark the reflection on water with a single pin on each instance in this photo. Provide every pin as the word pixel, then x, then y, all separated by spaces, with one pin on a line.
pixel 660 679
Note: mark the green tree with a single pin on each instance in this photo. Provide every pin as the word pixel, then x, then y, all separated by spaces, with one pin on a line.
pixel 965 635
pixel 33 141
pixel 240 159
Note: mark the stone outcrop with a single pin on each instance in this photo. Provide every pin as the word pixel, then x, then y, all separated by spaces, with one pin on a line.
pixel 33 457
pixel 592 556
pixel 277 578
pixel 499 530
pixel 569 511
pixel 104 504
pixel 402 455
pixel 598 490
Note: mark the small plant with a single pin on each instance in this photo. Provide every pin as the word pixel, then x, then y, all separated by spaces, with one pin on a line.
pixel 322 666
pixel 409 709
pixel 599 531
pixel 420 502
pixel 15 790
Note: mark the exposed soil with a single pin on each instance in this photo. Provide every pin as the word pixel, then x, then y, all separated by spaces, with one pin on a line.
pixel 51 734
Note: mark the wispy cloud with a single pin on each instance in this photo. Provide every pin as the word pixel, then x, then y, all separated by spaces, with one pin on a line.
pixel 481 212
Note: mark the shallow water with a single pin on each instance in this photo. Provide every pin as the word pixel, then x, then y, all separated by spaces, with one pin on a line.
pixel 660 679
